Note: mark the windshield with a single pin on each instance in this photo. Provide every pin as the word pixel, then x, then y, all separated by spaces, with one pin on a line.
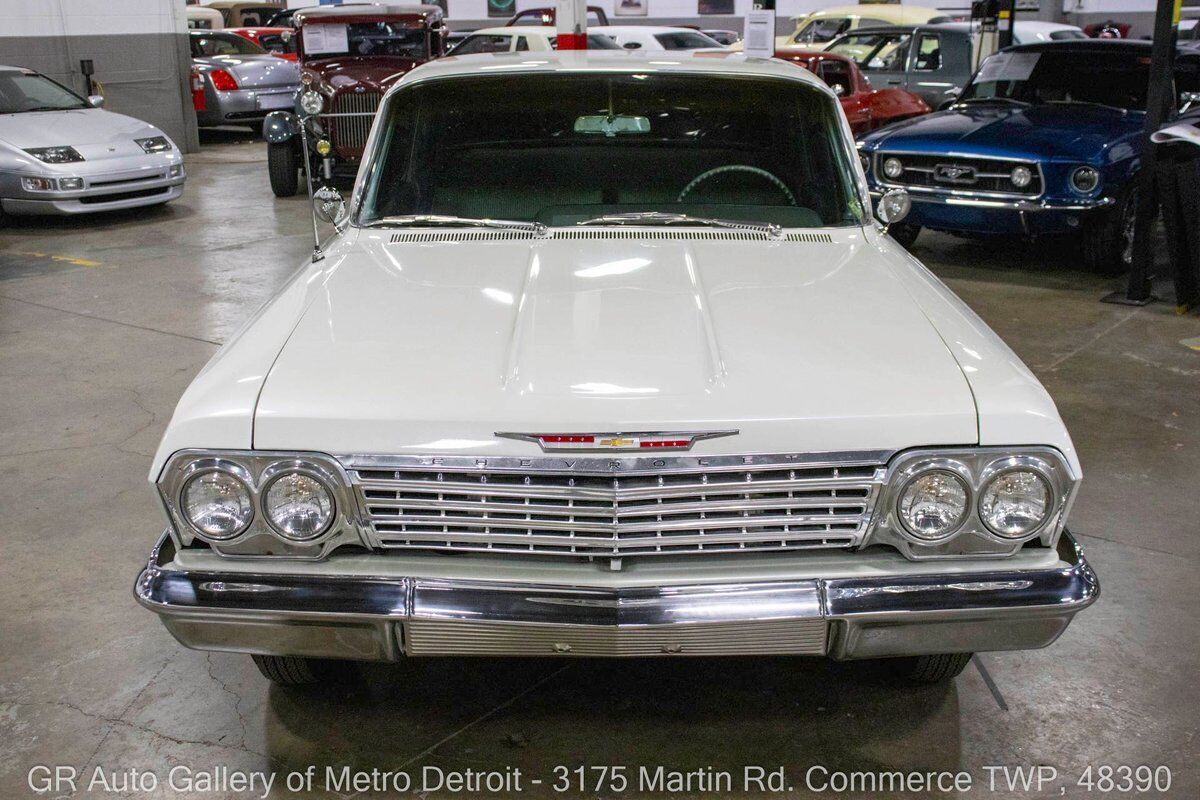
pixel 223 44
pixel 563 148
pixel 27 91
pixel 396 39
pixel 685 40
pixel 874 51
pixel 1117 79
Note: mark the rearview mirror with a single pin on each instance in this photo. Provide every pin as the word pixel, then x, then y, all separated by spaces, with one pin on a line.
pixel 329 206
pixel 611 125
pixel 96 100
pixel 893 207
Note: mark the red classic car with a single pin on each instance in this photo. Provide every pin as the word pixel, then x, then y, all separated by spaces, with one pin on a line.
pixel 866 108
pixel 349 56
pixel 276 41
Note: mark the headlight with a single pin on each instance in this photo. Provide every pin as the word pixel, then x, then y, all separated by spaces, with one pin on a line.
pixel 311 102
pixel 217 504
pixel 1021 177
pixel 55 155
pixel 1085 180
pixel 893 168
pixel 298 506
pixel 1015 503
pixel 933 504
pixel 155 144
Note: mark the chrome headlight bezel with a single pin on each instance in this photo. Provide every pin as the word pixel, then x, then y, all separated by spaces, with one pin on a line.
pixel 977 466
pixel 257 470
pixel 208 466
pixel 311 102
pixel 1093 178
pixel 919 469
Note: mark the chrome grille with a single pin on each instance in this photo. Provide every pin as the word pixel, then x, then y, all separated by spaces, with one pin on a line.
pixel 924 172
pixel 349 134
pixel 711 507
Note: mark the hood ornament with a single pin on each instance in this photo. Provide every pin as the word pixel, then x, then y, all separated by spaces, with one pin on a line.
pixel 628 442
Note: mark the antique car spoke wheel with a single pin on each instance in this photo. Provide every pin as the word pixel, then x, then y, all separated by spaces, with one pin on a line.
pixel 283 164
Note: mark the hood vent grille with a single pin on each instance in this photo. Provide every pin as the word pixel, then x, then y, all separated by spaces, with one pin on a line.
pixel 595 234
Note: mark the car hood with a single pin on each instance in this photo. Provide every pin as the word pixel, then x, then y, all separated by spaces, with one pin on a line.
pixel 434 345
pixel 342 74
pixel 94 132
pixel 1038 132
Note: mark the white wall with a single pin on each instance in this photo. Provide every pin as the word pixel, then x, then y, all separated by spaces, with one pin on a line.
pixel 90 17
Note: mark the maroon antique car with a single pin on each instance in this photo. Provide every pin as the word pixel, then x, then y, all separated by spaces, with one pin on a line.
pixel 866 107
pixel 350 55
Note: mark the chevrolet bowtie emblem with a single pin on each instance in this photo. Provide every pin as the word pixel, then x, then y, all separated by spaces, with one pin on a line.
pixel 640 442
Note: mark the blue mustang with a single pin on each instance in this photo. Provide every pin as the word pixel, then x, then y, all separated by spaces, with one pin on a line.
pixel 1046 139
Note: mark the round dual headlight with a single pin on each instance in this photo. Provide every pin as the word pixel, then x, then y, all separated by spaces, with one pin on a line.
pixel 298 506
pixel 1015 503
pixel 933 504
pixel 1021 177
pixel 217 504
pixel 311 102
pixel 1085 180
pixel 893 168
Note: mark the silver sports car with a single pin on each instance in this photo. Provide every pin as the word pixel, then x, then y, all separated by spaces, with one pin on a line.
pixel 236 81
pixel 62 154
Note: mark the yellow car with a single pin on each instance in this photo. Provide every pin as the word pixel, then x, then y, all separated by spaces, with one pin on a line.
pixel 823 26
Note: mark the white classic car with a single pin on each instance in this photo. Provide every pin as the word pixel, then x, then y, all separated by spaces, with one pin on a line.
pixel 63 154
pixel 608 358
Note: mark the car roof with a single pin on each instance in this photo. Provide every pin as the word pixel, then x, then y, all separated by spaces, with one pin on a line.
pixel 1028 24
pixel 365 10
pixel 680 62
pixel 651 29
pixel 936 27
pixel 808 52
pixel 874 10
pixel 517 30
pixel 1130 46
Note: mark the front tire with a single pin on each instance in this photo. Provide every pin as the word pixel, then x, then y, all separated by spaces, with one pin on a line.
pixel 288 670
pixel 283 165
pixel 932 668
pixel 905 235
pixel 1108 242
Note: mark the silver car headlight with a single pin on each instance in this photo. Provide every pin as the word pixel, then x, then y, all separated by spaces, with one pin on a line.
pixel 217 503
pixel 298 505
pixel 973 501
pixel 256 503
pixel 155 144
pixel 311 102
pixel 55 155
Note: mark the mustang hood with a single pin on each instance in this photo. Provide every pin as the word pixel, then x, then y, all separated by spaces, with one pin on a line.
pixel 1076 132
pixel 433 346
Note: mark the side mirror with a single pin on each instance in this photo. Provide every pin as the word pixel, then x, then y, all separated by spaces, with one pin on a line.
pixel 893 207
pixel 1187 99
pixel 328 205
pixel 96 100
pixel 838 89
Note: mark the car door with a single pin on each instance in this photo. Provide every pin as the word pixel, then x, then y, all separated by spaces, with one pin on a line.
pixel 938 66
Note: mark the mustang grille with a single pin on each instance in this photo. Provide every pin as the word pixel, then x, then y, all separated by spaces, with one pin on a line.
pixel 349 134
pixel 702 510
pixel 934 172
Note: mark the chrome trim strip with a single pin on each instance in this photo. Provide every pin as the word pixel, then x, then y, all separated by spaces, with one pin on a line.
pixel 637 436
pixel 938 190
pixel 920 195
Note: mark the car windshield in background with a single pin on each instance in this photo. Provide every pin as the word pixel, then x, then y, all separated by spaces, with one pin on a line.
pixel 394 39
pixel 22 91
pixel 874 51
pixel 205 45
pixel 1035 77
pixel 685 40
pixel 561 149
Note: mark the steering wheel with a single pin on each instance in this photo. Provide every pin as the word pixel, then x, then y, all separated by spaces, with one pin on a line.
pixel 762 173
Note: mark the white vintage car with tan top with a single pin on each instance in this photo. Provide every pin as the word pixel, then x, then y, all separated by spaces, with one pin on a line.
pixel 608 357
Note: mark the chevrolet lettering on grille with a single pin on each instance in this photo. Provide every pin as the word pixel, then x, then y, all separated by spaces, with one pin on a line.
pixel 658 440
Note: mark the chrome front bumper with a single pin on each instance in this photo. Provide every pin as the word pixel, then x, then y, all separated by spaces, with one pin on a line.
pixel 386 618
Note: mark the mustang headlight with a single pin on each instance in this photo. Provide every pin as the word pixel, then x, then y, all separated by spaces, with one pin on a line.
pixel 933 504
pixel 55 155
pixel 298 506
pixel 155 144
pixel 217 504
pixel 893 168
pixel 1085 180
pixel 1015 503
pixel 1021 177
pixel 311 102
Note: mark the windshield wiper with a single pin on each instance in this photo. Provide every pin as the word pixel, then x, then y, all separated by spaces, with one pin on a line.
pixel 663 218
pixel 1009 100
pixel 51 108
pixel 423 220
pixel 1086 103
